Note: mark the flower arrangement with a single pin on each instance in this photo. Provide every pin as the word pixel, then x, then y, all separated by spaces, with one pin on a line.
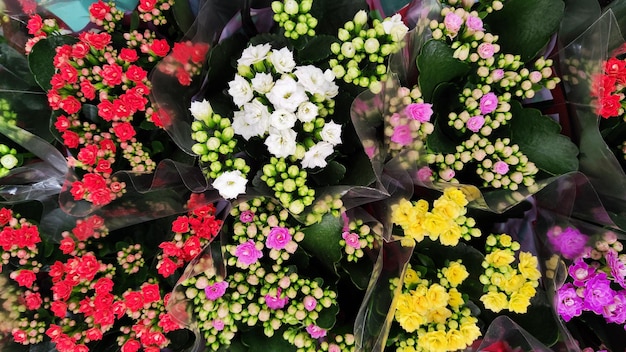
pixel 297 175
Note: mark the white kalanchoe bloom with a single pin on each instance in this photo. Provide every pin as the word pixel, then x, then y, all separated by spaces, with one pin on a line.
pixel 257 114
pixel 331 133
pixel 230 184
pixel 314 80
pixel 331 89
pixel 281 144
pixel 240 90
pixel 243 128
pixel 395 27
pixel 282 60
pixel 287 94
pixel 262 83
pixel 254 54
pixel 201 110
pixel 307 111
pixel 282 119
pixel 317 154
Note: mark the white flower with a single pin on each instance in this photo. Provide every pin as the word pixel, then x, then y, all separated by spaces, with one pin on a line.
pixel 230 184
pixel 243 128
pixel 257 114
pixel 281 144
pixel 395 27
pixel 282 119
pixel 262 82
pixel 307 111
pixel 201 110
pixel 316 81
pixel 316 155
pixel 282 60
pixel 254 54
pixel 240 90
pixel 331 133
pixel 287 94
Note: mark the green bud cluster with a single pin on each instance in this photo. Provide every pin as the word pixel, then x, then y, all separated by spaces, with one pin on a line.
pixel 138 158
pixel 130 259
pixel 359 56
pixel 6 113
pixel 288 182
pixel 9 159
pixel 328 204
pixel 294 17
pixel 367 238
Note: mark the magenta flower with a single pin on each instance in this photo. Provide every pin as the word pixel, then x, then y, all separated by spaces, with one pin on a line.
pixel 247 253
pixel 618 269
pixel 488 103
pixel 216 290
pixel 570 242
pixel 616 311
pixel 424 174
pixel 218 324
pixel 278 238
pixel 309 303
pixel 474 23
pixel 453 22
pixel 598 293
pixel 352 239
pixel 402 135
pixel 419 111
pixel 371 151
pixel 276 302
pixel 475 123
pixel 568 304
pixel 501 167
pixel 315 331
pixel 580 271
pixel 486 50
pixel 246 216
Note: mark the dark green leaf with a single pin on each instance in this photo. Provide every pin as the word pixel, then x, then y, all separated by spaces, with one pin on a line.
pixel 359 272
pixel 183 15
pixel 40 58
pixel 322 240
pixel 437 65
pixel 525 26
pixel 157 147
pixel 316 49
pixel 538 137
pixel 539 320
pixel 258 342
pixel 221 63
pixel 333 14
pixel 327 317
pixel 438 142
pixel 134 20
pixel 329 175
pixel 277 40
pixel 14 71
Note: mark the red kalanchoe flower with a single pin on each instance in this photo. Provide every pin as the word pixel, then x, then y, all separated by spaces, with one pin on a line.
pixel 99 10
pixel 160 47
pixel 33 300
pixel 24 277
pixel 124 131
pixel 35 26
pixel 97 40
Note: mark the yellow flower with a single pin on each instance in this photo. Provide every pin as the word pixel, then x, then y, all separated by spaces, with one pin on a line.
pixel 519 303
pixel 435 224
pixel 528 290
pixel 455 273
pixel 469 330
pixel 438 315
pixel 400 212
pixel 420 207
pixel 494 301
pixel 415 229
pixel 456 340
pixel 434 341
pixel 514 283
pixel 528 266
pixel 447 208
pixel 499 258
pixel 419 301
pixel 451 236
pixel 437 296
pixel 406 315
pixel 497 279
pixel 455 195
pixel 456 299
pixel 411 277
pixel 505 240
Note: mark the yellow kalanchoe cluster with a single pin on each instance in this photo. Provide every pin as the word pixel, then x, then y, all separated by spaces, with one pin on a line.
pixel 446 221
pixel 506 285
pixel 436 312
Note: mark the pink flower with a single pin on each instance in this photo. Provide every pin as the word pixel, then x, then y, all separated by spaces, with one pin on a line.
pixel 475 123
pixel 488 103
pixel 246 216
pixel 618 269
pixel 419 111
pixel 247 253
pixel 352 239
pixel 402 135
pixel 580 271
pixel 568 304
pixel 309 303
pixel 276 302
pixel 424 174
pixel 453 22
pixel 216 290
pixel 486 50
pixel 218 324
pixel 497 75
pixel 474 23
pixel 278 238
pixel 447 174
pixel 315 331
pixel 501 167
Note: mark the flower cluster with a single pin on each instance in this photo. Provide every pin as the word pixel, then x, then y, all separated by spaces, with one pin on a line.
pixel 437 314
pixel 608 88
pixel 359 56
pixel 8 159
pixel 446 222
pixel 357 236
pixel 596 282
pixel 260 290
pixel 508 286
pixel 294 17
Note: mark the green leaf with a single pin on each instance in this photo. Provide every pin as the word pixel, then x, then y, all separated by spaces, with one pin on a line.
pixel 437 65
pixel 329 175
pixel 40 58
pixel 258 342
pixel 438 142
pixel 322 240
pixel 182 15
pixel 538 137
pixel 333 14
pixel 359 272
pixel 539 319
pixel 525 26
pixel 14 71
pixel 327 317
pixel 316 49
pixel 221 63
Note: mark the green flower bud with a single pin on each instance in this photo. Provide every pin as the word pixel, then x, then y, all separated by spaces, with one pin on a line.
pixel 277 6
pixel 305 6
pixel 291 7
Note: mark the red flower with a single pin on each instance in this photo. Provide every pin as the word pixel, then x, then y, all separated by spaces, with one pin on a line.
pixel 136 73
pixel 107 145
pixel 167 323
pixel 62 290
pixel 101 196
pixel 131 345
pixel 181 224
pixel 27 236
pixel 167 267
pixel 70 105
pixel 70 139
pixel 170 249
pixel 20 336
pixel 54 331
pixel 94 334
pixel 129 55
pixel 97 40
pixel 67 245
pixel 62 123
pixel 124 131
pixel 58 308
pixel 33 300
pixel 56 271
pixel 83 230
pixel 104 316
pixel 79 50
pixel 88 90
pixel 199 52
pixel 191 248
pixel 610 106
pixel 160 47
pixel 88 267
pixel 106 110
pixel 94 181
pixel 146 5
pixel 103 285
pixel 134 100
pixel 65 343
pixel 120 110
pixel 81 348
pixel 99 10
pixel 134 300
pixel 112 74
pixel 25 277
pixel 104 167
pixel 35 25
pixel 5 216
pixel 68 73
pixel 183 77
pixel 88 155
pixel 151 293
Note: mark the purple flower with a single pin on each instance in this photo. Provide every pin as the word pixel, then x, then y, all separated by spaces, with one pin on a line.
pixel 580 271
pixel 618 269
pixel 216 290
pixel 475 123
pixel 315 331
pixel 616 311
pixel 598 293
pixel 402 135
pixel 276 302
pixel 352 239
pixel 247 253
pixel 486 50
pixel 278 238
pixel 568 304
pixel 309 303
pixel 570 242
pixel 488 103
pixel 419 111
pixel 246 216
pixel 501 167
pixel 453 22
pixel 218 324
pixel 474 23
